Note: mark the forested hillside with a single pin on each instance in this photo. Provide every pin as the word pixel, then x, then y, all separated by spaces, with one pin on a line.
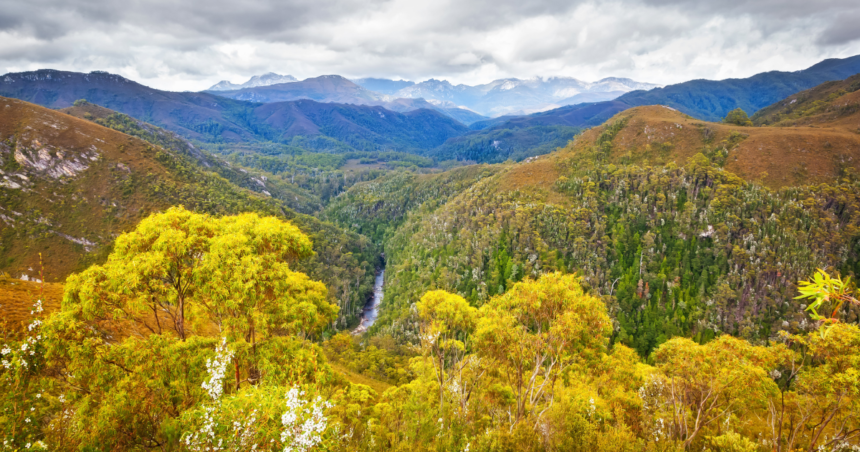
pixel 685 227
pixel 833 103
pixel 70 186
pixel 291 195
pixel 376 209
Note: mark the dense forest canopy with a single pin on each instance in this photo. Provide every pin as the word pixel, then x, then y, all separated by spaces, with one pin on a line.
pixel 659 283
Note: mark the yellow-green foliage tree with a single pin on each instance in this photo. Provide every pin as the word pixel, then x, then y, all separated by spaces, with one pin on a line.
pixel 232 272
pixel 135 348
pixel 535 331
pixel 822 411
pixel 447 320
pixel 700 385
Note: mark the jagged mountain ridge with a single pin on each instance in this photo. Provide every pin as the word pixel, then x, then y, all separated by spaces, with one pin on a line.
pixel 702 99
pixel 210 118
pixel 501 97
pixel 510 96
pixel 325 88
pixel 337 89
pixel 258 80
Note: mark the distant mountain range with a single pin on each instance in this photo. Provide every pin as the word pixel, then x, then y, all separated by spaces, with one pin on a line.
pixel 426 118
pixel 337 89
pixel 512 96
pixel 325 88
pixel 210 118
pixel 382 85
pixel 501 97
pixel 258 80
pixel 708 100
pixel 711 100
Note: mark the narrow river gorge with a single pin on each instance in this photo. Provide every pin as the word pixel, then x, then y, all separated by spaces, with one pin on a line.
pixel 371 310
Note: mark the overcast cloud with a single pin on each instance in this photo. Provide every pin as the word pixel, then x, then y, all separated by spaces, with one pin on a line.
pixel 184 46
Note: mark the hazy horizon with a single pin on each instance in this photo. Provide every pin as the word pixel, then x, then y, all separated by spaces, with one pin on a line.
pixel 182 48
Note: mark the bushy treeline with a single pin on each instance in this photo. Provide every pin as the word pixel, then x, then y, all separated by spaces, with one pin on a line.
pixel 121 368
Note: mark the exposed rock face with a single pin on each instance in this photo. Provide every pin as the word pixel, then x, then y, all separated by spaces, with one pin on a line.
pixel 25 159
pixel 55 163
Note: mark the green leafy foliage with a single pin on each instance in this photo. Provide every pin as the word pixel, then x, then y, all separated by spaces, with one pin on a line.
pixel 823 289
pixel 738 117
pixel 377 208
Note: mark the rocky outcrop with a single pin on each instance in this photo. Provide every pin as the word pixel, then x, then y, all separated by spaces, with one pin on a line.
pixel 54 162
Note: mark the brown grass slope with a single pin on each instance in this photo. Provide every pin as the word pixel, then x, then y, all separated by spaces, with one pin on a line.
pixel 16 302
pixel 290 194
pixel 773 156
pixel 68 187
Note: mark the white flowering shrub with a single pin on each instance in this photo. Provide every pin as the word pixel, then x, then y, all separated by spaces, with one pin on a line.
pixel 261 417
pixel 204 438
pixel 22 405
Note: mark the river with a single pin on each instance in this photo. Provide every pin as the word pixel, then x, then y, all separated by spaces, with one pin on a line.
pixel 371 310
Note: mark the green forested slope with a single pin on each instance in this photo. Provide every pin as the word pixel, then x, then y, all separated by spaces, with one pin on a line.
pixel 686 249
pixel 683 252
pixel 378 207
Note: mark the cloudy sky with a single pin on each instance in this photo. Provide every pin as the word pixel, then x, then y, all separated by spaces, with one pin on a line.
pixel 191 45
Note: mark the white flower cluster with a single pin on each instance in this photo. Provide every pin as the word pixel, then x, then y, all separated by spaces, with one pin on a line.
pixel 5 362
pixel 243 433
pixel 19 361
pixel 303 422
pixel 430 338
pixel 28 347
pixel 214 386
pixel 217 368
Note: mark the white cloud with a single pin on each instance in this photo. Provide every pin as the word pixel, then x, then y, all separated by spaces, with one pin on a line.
pixel 188 46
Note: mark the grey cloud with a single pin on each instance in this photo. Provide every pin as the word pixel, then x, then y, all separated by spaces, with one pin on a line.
pixel 176 44
pixel 775 9
pixel 220 19
pixel 846 28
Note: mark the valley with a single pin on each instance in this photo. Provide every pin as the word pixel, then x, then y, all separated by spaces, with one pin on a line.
pixel 350 266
